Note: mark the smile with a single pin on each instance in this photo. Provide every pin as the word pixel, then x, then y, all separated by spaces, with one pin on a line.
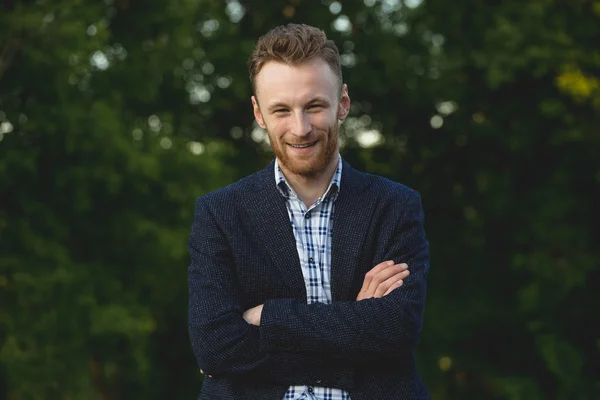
pixel 302 146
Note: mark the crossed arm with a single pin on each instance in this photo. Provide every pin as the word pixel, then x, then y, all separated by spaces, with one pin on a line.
pixel 297 341
pixel 223 342
pixel 378 282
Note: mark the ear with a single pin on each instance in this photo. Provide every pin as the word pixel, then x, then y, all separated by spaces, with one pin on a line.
pixel 257 114
pixel 344 104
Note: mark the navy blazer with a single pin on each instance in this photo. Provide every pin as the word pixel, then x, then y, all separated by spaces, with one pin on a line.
pixel 243 253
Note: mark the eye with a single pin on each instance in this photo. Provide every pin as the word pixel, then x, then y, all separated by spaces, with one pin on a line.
pixel 315 107
pixel 280 111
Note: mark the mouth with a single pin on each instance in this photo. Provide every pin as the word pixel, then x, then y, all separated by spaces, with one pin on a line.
pixel 302 145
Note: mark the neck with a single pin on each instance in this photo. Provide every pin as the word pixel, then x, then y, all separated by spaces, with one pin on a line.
pixel 310 188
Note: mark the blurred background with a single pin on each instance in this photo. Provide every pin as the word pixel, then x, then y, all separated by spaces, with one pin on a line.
pixel 116 115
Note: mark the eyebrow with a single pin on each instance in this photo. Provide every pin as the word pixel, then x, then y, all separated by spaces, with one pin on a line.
pixel 279 104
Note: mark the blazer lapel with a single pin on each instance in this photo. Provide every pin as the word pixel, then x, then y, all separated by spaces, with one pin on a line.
pixel 268 214
pixel 352 212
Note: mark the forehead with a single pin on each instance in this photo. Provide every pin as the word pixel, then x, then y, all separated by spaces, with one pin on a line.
pixel 282 82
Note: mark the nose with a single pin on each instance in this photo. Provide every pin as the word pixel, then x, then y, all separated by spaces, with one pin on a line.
pixel 301 125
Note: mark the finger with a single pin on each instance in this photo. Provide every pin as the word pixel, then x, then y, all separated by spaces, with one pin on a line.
pixel 374 271
pixel 202 372
pixel 394 286
pixel 364 290
pixel 385 285
pixel 385 275
pixel 381 276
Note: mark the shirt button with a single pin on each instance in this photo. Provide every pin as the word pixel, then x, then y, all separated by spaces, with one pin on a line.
pixel 307 215
pixel 311 260
pixel 311 390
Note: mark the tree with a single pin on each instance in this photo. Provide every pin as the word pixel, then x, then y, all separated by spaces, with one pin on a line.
pixel 115 116
pixel 98 182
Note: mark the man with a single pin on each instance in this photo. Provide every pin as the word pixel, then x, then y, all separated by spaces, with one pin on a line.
pixel 307 279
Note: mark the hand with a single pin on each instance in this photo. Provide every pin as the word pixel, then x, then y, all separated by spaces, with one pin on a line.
pixel 382 279
pixel 202 372
pixel 252 316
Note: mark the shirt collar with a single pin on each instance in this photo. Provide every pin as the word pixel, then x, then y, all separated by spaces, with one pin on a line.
pixel 332 190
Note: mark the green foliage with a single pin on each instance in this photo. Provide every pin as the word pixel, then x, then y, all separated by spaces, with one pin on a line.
pixel 116 115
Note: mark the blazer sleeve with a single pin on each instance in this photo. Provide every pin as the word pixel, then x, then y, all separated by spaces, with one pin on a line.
pixel 223 342
pixel 385 327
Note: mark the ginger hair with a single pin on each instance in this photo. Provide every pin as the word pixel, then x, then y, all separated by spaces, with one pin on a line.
pixel 294 44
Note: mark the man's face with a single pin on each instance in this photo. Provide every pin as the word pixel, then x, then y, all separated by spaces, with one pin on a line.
pixel 300 106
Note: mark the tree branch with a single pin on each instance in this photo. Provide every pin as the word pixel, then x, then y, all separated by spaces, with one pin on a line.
pixel 99 379
pixel 8 53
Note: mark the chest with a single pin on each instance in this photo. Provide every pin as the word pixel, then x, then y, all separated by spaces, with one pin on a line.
pixel 277 253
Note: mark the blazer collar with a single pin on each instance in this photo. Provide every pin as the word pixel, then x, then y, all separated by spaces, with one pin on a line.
pixel 268 214
pixel 352 180
pixel 353 210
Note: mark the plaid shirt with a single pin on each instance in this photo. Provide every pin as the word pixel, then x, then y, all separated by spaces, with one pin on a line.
pixel 312 229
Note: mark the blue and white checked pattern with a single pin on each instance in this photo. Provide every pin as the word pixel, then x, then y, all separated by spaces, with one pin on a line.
pixel 313 229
